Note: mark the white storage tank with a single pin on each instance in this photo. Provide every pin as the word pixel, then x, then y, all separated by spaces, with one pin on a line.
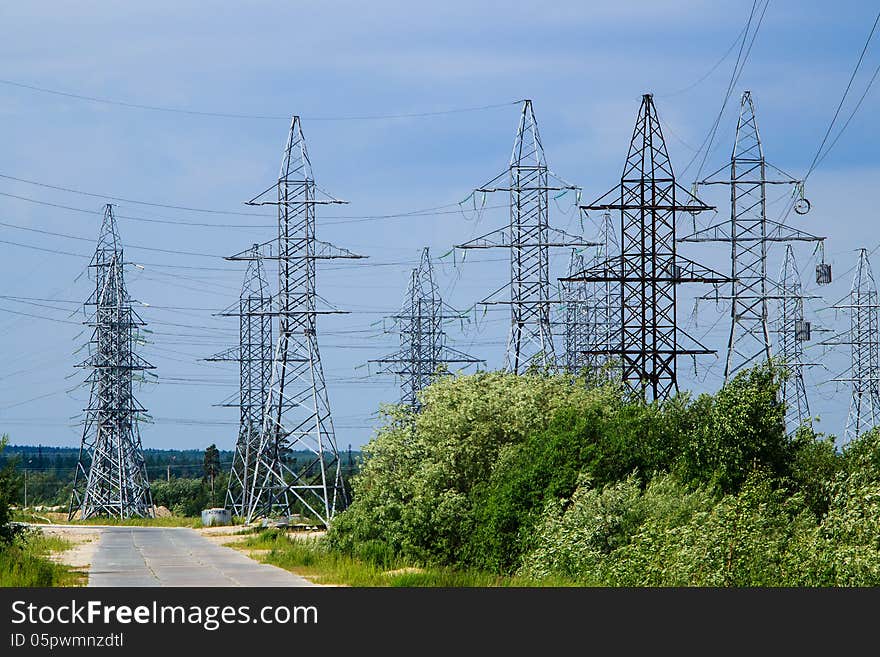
pixel 216 516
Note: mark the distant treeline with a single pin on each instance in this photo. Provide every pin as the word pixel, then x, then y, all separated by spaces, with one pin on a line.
pixel 48 471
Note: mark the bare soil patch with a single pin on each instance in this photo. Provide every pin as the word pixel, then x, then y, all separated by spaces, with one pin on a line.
pixel 79 555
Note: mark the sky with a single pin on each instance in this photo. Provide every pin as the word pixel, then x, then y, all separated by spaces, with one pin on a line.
pixel 179 179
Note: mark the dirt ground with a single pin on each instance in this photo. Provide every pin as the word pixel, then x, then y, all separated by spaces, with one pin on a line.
pixel 85 541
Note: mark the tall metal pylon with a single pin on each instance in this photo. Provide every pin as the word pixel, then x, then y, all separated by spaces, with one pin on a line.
pixel 603 300
pixel 863 339
pixel 648 268
pixel 111 476
pixel 297 417
pixel 529 238
pixel 254 356
pixel 423 352
pixel 575 316
pixel 749 233
pixel 793 330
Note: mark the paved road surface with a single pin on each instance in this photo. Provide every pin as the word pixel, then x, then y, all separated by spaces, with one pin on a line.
pixel 177 556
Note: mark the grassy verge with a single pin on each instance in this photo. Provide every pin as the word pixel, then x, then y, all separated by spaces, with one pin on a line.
pixel 171 521
pixel 311 559
pixel 25 562
pixel 23 515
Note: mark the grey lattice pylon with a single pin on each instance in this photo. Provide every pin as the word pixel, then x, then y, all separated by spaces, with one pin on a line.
pixel 648 268
pixel 792 330
pixel 603 299
pixel 863 339
pixel 254 356
pixel 575 317
pixel 296 418
pixel 424 352
pixel 111 476
pixel 528 238
pixel 749 233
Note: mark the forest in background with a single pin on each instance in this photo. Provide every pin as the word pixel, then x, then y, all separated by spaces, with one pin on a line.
pixel 180 480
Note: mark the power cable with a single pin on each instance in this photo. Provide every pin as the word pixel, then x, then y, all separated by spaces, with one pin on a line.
pixel 261 117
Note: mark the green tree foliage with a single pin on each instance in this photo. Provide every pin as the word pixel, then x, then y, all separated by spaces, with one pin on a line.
pixel 211 463
pixel 414 491
pixel 742 428
pixel 8 485
pixel 181 496
pixel 211 467
pixel 572 481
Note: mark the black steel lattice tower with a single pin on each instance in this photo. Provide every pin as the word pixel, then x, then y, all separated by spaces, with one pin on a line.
pixel 254 356
pixel 529 238
pixel 423 352
pixel 297 415
pixel 648 268
pixel 749 233
pixel 111 475
pixel 793 331
pixel 864 343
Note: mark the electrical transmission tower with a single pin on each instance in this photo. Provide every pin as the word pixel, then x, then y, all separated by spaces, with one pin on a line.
pixel 423 349
pixel 749 233
pixel 297 416
pixel 648 268
pixel 603 300
pixel 529 238
pixel 575 311
pixel 111 475
pixel 793 331
pixel 864 343
pixel 254 356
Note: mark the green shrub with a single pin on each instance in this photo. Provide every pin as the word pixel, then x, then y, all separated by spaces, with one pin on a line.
pixel 742 430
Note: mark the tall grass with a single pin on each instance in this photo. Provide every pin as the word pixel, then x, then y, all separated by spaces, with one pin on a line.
pixel 25 562
pixel 55 518
pixel 310 558
pixel 170 521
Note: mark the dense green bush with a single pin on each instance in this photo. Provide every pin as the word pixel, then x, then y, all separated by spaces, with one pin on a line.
pixel 741 428
pixel 414 492
pixel 605 438
pixel 574 481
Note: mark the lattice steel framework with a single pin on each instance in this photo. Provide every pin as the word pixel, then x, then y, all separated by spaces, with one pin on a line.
pixel 424 353
pixel 864 343
pixel 297 415
pixel 603 300
pixel 111 476
pixel 749 233
pixel 529 238
pixel 254 356
pixel 648 268
pixel 793 330
pixel 576 318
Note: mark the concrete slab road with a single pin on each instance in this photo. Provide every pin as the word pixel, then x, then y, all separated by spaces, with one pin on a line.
pixel 177 556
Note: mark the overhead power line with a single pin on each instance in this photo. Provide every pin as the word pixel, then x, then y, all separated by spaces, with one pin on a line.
pixel 849 83
pixel 168 206
pixel 327 220
pixel 258 117
pixel 741 59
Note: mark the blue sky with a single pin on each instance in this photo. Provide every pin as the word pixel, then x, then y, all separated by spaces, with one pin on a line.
pixel 585 68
